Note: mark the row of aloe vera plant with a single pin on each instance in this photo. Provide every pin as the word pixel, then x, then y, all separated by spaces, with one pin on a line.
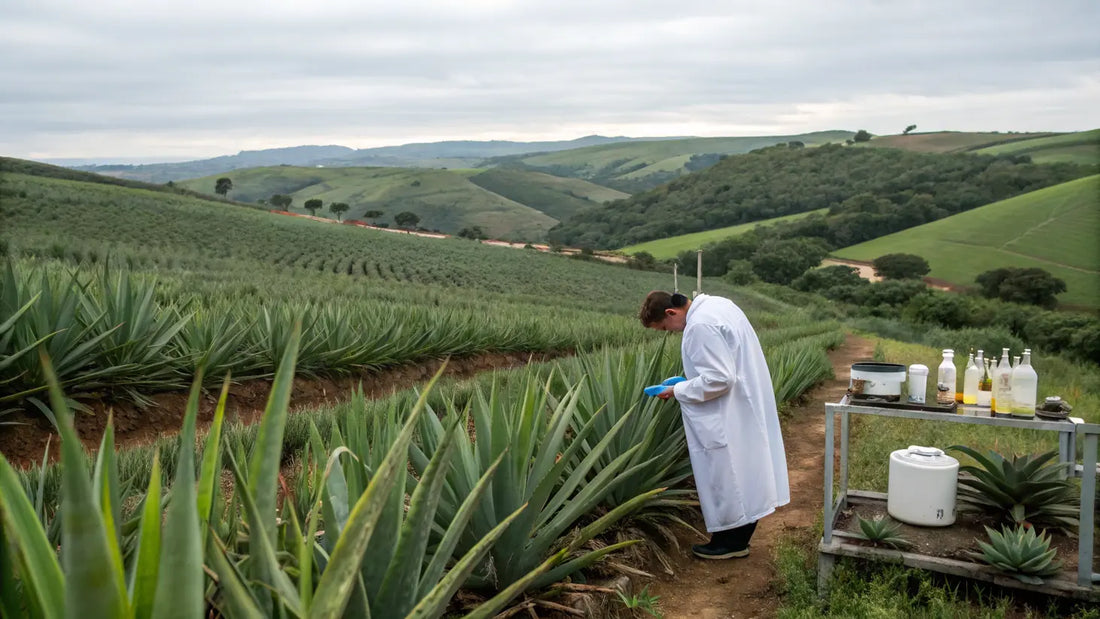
pixel 110 332
pixel 557 458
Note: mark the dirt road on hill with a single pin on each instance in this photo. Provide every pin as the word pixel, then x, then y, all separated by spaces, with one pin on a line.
pixel 745 587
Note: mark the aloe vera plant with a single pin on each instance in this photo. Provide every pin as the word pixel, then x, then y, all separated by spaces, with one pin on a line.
pixel 1018 490
pixel 1020 552
pixel 882 531
pixel 531 437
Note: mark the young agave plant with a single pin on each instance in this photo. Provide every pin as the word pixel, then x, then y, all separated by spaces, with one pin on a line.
pixel 1023 489
pixel 882 531
pixel 1019 552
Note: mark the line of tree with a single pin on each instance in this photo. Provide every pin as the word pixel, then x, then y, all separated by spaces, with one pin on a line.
pixel 870 192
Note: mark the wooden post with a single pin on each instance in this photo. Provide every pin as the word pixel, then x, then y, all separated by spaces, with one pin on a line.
pixel 698 272
pixel 675 280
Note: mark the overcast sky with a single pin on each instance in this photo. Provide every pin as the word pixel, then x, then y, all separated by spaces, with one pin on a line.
pixel 170 80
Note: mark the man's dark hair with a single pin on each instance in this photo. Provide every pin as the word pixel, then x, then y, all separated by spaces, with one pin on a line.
pixel 655 304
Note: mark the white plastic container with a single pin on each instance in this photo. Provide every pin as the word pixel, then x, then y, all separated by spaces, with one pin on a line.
pixel 918 383
pixel 922 486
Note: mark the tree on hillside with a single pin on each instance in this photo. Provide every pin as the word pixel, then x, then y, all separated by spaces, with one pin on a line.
pixel 908 129
pixel 312 205
pixel 406 219
pixel 222 186
pixel 861 136
pixel 781 261
pixel 373 214
pixel 338 209
pixel 473 232
pixel 901 266
pixel 281 201
pixel 1033 286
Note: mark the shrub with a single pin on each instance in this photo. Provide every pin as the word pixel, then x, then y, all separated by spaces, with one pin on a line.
pixel 1024 490
pixel 1034 286
pixel 901 266
pixel 949 310
pixel 829 277
pixel 740 273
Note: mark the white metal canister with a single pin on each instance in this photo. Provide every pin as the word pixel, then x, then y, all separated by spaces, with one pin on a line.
pixel 922 486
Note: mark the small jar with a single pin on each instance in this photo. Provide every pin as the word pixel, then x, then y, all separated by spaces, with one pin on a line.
pixel 918 383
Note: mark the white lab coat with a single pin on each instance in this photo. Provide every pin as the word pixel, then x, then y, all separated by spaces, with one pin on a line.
pixel 730 417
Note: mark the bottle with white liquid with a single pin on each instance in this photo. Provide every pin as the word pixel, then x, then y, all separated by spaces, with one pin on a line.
pixel 1025 387
pixel 946 379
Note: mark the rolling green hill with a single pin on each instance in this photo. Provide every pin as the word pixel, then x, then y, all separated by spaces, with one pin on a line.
pixel 671 247
pixel 1053 229
pixel 514 204
pixel 1080 147
pixel 638 166
pixel 949 141
pixel 226 250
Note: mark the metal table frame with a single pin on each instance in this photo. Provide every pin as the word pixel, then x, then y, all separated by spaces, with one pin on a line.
pixel 1067 443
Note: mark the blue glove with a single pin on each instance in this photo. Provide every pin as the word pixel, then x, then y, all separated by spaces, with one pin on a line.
pixel 668 382
pixel 654 390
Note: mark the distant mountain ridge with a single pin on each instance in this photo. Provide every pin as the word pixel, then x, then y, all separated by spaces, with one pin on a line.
pixel 457 153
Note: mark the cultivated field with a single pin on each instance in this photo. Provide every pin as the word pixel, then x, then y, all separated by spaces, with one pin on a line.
pixel 1080 147
pixel 1053 229
pixel 672 246
pixel 949 141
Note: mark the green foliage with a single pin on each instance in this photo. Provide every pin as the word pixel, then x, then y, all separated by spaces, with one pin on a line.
pixel 1023 490
pixel 953 311
pixel 1020 553
pixel 674 246
pixel 472 233
pixel 781 261
pixel 223 186
pixel 900 266
pixel 406 219
pixel 882 531
pixel 338 209
pixel 373 214
pixel 281 201
pixel 825 278
pixel 1031 285
pixel 908 129
pixel 781 181
pixel 642 601
pixel 313 205
pixel 739 273
pixel 555 196
pixel 861 136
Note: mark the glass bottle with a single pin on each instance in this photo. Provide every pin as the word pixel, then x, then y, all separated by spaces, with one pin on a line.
pixel 985 386
pixel 1002 385
pixel 946 380
pixel 1025 387
pixel 971 376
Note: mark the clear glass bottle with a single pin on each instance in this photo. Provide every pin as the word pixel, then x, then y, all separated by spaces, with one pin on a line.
pixel 1002 385
pixel 985 386
pixel 1025 387
pixel 946 379
pixel 971 376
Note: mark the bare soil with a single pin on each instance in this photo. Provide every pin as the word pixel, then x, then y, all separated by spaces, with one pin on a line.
pixel 24 443
pixel 745 587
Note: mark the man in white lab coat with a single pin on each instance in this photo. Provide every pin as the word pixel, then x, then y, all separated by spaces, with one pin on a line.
pixel 730 417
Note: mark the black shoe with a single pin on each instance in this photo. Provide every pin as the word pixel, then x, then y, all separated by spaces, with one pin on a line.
pixel 716 549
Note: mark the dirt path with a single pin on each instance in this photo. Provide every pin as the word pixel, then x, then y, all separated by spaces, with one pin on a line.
pixel 744 587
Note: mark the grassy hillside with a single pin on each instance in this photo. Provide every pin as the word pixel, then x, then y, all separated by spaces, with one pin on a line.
pixel 558 197
pixel 1080 147
pixel 445 200
pixel 949 141
pixel 638 166
pixel 671 247
pixel 870 192
pixel 215 246
pixel 1053 229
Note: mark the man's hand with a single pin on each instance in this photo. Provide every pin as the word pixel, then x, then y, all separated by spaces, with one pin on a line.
pixel 667 393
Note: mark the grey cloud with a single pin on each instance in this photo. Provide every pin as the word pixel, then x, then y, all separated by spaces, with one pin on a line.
pixel 522 69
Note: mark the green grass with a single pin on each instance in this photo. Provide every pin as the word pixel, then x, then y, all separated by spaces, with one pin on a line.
pixel 1053 229
pixel 555 196
pixel 671 247
pixel 445 200
pixel 1079 147
pixel 948 141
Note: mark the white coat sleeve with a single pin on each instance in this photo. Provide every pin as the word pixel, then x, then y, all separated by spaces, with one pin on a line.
pixel 711 355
